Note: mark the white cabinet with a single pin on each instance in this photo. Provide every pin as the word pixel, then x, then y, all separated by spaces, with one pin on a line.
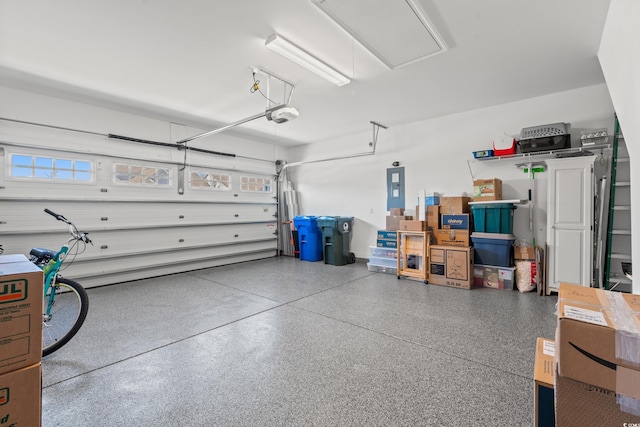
pixel 570 216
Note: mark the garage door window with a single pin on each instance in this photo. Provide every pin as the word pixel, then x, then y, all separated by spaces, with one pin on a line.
pixel 210 181
pixel 51 168
pixel 255 184
pixel 147 176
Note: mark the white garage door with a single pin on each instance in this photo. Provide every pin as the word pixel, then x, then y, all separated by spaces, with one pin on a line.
pixel 150 210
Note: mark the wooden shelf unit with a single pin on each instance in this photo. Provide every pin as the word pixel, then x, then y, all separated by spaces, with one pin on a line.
pixel 413 245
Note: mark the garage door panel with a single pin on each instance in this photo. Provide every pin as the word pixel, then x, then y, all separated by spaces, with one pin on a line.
pixel 30 216
pixel 83 268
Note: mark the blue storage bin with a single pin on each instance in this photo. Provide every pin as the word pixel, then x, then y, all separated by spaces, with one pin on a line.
pixel 493 218
pixel 309 238
pixel 493 248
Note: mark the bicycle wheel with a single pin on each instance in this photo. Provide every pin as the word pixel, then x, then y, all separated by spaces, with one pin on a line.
pixel 69 305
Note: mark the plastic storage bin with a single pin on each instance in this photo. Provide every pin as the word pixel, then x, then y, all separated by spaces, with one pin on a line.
pixel 493 249
pixel 493 218
pixel 309 238
pixel 336 233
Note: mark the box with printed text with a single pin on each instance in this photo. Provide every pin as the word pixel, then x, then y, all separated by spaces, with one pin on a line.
pixel 21 296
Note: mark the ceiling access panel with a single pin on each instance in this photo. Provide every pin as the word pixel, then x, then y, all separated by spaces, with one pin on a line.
pixel 397 32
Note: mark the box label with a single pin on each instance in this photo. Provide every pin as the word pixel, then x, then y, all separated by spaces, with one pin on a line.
pixel 13 291
pixel 584 315
pixel 4 396
pixel 455 221
pixel 549 348
pixel 437 269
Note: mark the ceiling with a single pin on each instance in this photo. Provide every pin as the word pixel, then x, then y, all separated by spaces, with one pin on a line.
pixel 189 61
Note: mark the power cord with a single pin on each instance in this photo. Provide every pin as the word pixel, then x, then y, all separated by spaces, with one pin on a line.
pixel 255 87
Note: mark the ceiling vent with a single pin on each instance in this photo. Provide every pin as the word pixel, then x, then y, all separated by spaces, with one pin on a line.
pixel 397 32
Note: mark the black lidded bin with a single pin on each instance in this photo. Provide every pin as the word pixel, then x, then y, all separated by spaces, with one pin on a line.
pixel 336 234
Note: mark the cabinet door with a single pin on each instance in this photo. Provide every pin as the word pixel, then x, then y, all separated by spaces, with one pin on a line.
pixel 570 221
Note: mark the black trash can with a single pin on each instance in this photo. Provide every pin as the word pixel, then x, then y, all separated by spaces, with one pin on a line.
pixel 336 235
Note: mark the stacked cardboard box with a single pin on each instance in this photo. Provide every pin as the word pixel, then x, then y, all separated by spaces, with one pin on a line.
pixel 451 259
pixel 20 341
pixel 597 357
pixel 396 215
pixel 543 379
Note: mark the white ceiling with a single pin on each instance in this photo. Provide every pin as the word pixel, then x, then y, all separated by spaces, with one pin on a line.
pixel 188 61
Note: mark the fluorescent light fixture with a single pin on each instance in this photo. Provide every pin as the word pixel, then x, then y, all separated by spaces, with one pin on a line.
pixel 303 58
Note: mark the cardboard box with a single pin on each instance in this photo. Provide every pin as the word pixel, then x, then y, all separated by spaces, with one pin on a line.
pixel 452 237
pixel 387 243
pixel 21 293
pixel 543 372
pixel 487 189
pixel 455 205
pixel 433 217
pixel 591 345
pixel 489 276
pixel 396 211
pixel 393 221
pixel 580 404
pixel 456 221
pixel 451 266
pixel 412 225
pixel 526 253
pixel 21 397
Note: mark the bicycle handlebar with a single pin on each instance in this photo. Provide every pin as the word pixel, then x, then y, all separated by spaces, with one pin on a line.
pixel 55 215
pixel 78 235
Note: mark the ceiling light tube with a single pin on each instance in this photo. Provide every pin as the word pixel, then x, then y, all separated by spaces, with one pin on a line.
pixel 303 58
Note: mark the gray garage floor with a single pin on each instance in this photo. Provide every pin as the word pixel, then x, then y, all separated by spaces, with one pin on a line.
pixel 284 342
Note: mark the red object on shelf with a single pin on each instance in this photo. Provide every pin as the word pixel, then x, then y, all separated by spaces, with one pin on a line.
pixel 505 151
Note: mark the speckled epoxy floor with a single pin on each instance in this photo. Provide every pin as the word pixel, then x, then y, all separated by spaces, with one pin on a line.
pixel 284 342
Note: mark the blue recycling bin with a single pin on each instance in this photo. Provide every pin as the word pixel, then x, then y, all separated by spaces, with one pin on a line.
pixel 309 238
pixel 336 232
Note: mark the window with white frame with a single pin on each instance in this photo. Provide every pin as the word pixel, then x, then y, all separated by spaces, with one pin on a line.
pixel 25 166
pixel 255 184
pixel 149 176
pixel 210 181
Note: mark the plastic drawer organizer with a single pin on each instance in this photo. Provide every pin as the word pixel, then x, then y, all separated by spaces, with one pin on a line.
pixel 383 260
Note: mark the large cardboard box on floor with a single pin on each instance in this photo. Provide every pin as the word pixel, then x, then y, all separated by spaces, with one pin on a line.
pixel 598 339
pixel 451 266
pixel 20 313
pixel 579 404
pixel 543 370
pixel 21 397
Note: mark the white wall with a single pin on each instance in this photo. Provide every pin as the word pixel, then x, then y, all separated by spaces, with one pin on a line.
pixel 435 156
pixel 620 60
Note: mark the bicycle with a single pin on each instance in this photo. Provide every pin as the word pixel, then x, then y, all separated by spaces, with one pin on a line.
pixel 66 302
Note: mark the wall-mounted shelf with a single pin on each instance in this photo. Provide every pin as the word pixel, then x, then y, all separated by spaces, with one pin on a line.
pixel 538 157
pixel 543 154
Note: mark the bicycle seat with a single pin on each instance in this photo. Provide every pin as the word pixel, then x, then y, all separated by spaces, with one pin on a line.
pixel 41 253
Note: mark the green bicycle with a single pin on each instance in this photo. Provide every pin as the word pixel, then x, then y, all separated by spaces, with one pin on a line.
pixel 66 302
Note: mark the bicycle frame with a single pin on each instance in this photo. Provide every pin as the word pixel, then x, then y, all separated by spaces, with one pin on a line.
pixel 50 273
